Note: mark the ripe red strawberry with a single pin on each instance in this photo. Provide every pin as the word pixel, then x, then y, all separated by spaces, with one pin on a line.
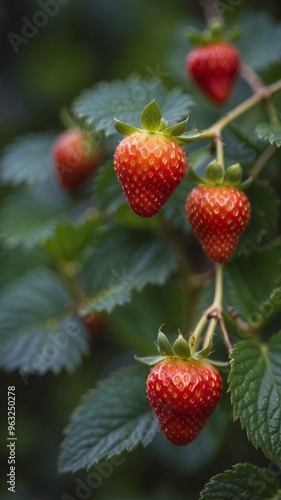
pixel 75 156
pixel 218 215
pixel 214 67
pixel 183 394
pixel 149 167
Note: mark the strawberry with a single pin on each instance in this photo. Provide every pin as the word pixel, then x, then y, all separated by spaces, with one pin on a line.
pixel 183 393
pixel 75 156
pixel 218 215
pixel 214 68
pixel 149 167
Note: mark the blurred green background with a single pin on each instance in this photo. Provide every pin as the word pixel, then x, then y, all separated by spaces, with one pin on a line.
pixel 83 43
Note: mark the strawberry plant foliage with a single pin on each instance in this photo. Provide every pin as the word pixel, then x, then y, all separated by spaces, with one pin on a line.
pixel 42 337
pixel 255 385
pixel 125 100
pixel 29 216
pixel 145 259
pixel 27 159
pixel 146 255
pixel 243 481
pixel 268 132
pixel 122 420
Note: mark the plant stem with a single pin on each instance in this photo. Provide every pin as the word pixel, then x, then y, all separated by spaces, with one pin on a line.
pixel 212 314
pixel 256 85
pixel 68 274
pixel 219 150
pixel 261 94
pixel 262 160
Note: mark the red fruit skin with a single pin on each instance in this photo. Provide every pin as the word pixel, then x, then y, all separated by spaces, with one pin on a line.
pixel 214 68
pixel 149 168
pixel 75 157
pixel 95 322
pixel 218 215
pixel 183 394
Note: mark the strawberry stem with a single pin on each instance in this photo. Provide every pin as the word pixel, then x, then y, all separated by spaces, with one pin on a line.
pixel 219 150
pixel 213 315
pixel 261 94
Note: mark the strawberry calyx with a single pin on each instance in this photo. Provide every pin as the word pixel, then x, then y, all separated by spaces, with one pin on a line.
pixel 179 350
pixel 216 176
pixel 214 32
pixel 152 122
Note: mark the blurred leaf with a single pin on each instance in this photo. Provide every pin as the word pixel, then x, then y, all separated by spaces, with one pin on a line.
pixel 125 101
pixel 68 241
pixel 267 132
pixel 37 333
pixel 113 418
pixel 28 159
pixel 264 216
pixel 108 191
pixel 243 481
pixel 244 292
pixel 255 385
pixel 190 459
pixel 174 210
pixel 154 307
pixel 260 34
pixel 124 260
pixel 29 215
pixel 16 261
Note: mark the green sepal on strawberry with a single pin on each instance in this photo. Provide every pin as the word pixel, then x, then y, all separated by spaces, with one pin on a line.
pixel 214 63
pixel 218 210
pixel 149 162
pixel 183 391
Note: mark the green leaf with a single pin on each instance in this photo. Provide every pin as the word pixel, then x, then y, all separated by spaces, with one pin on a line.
pixel 159 304
pixel 189 460
pixel 264 216
pixel 255 302
pixel 114 418
pixel 108 191
pixel 255 28
pixel 124 260
pixel 151 117
pixel 37 333
pixel 266 132
pixel 255 385
pixel 125 101
pixel 68 241
pixel 29 215
pixel 245 481
pixel 28 159
pixel 16 261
